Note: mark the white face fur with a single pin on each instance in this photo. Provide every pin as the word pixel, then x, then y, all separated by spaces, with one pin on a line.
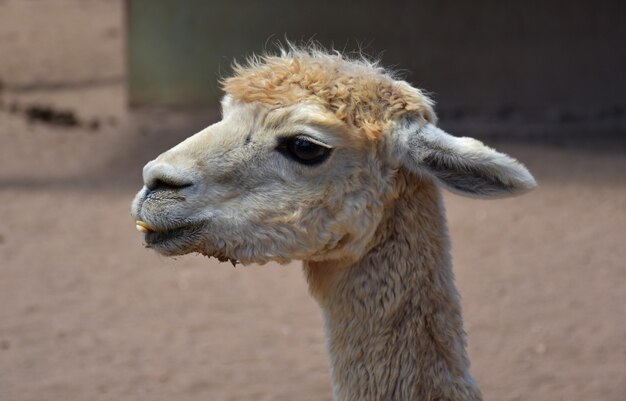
pixel 280 184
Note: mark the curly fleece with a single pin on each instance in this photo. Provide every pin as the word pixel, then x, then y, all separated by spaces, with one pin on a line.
pixel 357 92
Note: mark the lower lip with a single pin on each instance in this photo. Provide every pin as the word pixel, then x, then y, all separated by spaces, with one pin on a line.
pixel 156 238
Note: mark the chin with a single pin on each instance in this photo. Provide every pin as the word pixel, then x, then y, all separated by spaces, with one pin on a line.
pixel 182 241
pixel 174 241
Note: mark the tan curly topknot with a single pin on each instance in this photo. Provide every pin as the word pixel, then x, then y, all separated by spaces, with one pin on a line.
pixel 356 91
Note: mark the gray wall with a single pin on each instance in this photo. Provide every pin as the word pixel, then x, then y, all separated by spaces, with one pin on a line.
pixel 552 61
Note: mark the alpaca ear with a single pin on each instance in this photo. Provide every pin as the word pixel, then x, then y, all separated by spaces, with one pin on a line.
pixel 463 165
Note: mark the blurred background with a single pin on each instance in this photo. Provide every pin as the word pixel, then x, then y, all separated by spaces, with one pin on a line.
pixel 90 90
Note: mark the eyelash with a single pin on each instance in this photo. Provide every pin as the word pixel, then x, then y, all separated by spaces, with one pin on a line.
pixel 296 148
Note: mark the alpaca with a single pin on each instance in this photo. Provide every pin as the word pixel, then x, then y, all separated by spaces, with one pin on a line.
pixel 336 162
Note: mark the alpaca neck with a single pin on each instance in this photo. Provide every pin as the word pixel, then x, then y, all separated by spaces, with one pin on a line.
pixel 393 319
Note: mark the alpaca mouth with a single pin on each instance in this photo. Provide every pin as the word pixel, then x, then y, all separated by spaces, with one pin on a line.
pixel 178 241
pixel 170 241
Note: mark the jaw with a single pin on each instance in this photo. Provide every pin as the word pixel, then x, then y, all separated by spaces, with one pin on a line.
pixel 184 240
pixel 173 229
pixel 176 241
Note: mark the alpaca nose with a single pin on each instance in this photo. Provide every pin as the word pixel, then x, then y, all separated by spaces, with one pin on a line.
pixel 158 175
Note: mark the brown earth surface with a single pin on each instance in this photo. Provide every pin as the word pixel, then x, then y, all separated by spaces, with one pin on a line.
pixel 86 313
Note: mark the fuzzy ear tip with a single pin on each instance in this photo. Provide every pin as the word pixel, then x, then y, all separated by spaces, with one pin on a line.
pixel 529 185
pixel 525 182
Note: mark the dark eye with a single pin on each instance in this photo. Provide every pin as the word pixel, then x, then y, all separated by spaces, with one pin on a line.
pixel 304 150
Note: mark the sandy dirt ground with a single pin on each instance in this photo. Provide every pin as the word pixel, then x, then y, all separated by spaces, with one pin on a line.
pixel 86 313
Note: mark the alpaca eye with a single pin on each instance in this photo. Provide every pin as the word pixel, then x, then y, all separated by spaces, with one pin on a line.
pixel 304 150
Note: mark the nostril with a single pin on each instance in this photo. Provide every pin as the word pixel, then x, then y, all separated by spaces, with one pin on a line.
pixel 165 176
pixel 165 183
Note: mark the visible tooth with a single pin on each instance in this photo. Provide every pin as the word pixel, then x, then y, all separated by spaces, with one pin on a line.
pixel 145 227
pixel 142 229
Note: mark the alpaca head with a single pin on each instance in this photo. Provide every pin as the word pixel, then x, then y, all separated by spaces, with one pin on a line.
pixel 303 163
